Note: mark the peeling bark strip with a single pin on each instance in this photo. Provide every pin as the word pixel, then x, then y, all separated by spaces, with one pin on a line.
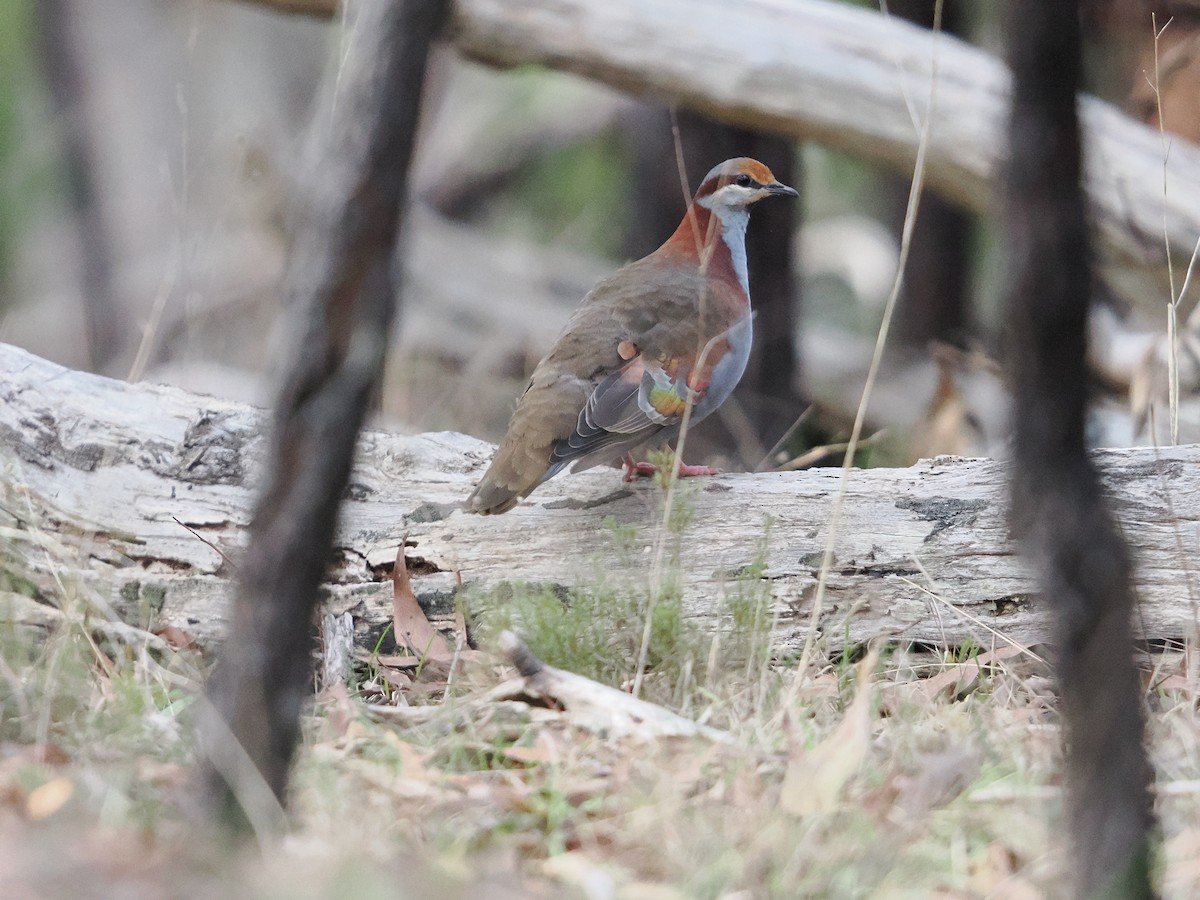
pixel 1058 507
pixel 339 287
pixel 105 472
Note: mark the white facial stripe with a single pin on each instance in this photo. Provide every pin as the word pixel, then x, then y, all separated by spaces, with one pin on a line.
pixel 730 195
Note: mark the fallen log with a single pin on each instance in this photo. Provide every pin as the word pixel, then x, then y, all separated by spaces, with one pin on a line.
pixel 138 496
pixel 857 81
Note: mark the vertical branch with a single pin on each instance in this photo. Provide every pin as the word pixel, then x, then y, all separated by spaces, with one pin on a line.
pixel 340 284
pixel 773 371
pixel 1057 506
pixel 934 303
pixel 60 52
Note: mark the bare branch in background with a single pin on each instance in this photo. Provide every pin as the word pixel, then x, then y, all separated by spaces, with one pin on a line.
pixel 59 49
pixel 340 286
pixel 318 9
pixel 843 76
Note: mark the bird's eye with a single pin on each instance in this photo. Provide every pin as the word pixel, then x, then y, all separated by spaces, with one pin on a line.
pixel 744 181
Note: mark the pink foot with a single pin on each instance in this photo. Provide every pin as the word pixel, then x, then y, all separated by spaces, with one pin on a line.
pixel 686 471
pixel 638 469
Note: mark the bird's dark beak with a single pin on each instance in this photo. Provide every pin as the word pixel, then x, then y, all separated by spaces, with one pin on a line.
pixel 783 190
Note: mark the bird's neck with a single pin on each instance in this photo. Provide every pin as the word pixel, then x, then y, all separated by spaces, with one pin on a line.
pixel 714 239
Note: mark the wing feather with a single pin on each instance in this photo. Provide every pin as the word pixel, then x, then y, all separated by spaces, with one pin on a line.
pixel 628 407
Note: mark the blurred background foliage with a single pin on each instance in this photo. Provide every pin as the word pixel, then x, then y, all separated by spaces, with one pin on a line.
pixel 26 177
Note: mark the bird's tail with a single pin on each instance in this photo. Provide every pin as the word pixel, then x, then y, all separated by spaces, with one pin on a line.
pixel 490 499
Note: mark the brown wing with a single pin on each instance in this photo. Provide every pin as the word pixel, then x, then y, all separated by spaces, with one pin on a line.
pixel 658 315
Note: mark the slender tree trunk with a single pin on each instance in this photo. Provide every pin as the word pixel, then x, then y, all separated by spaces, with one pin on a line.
pixel 340 287
pixel 66 82
pixel 933 305
pixel 1058 507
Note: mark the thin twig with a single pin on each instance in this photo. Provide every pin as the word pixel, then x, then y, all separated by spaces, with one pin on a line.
pixel 910 217
pixel 787 436
pixel 1173 303
pixel 704 251
pixel 814 454
pixel 202 539
pixel 974 620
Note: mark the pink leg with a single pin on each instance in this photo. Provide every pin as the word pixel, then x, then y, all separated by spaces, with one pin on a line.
pixel 637 469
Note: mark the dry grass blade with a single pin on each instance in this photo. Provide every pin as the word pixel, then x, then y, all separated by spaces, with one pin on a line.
pixel 958 679
pixel 814 455
pixel 962 613
pixel 814 779
pixel 910 219
pixel 202 539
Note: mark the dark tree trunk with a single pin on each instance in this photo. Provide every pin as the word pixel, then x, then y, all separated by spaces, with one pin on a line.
pixel 340 287
pixel 1058 508
pixel 933 305
pixel 769 391
pixel 104 322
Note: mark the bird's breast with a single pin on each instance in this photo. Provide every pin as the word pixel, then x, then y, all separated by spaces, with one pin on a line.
pixel 727 369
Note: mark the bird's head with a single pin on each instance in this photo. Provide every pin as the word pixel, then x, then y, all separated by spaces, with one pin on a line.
pixel 737 184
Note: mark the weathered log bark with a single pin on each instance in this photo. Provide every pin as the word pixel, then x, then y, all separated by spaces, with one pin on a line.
pixel 136 491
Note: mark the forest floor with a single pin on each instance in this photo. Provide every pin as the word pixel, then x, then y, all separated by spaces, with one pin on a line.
pixel 887 772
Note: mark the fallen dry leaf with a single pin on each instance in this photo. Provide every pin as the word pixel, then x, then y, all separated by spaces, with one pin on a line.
pixel 941 777
pixel 955 682
pixel 997 874
pixel 176 637
pixel 335 699
pixel 814 778
pixel 411 627
pixel 962 678
pixel 412 760
pixel 396 678
pixel 163 774
pixel 545 749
